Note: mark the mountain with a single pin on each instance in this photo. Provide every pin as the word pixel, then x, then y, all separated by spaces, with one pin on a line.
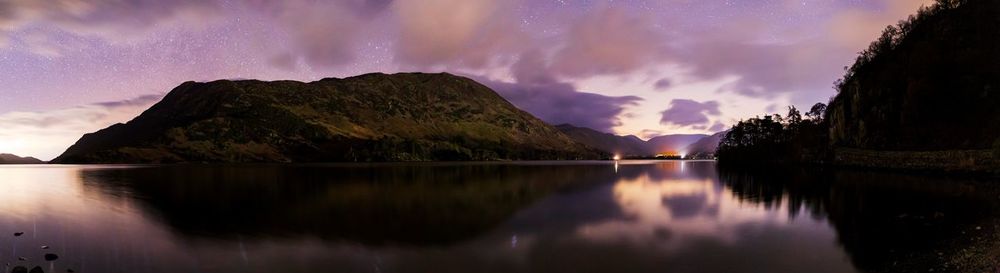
pixel 672 144
pixel 621 145
pixel 13 159
pixel 705 147
pixel 372 117
pixel 930 83
pixel 701 146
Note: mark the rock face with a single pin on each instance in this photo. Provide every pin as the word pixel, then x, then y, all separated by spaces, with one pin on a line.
pixel 13 159
pixel 933 83
pixel 613 144
pixel 372 117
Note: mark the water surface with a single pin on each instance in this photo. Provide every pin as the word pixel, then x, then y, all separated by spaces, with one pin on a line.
pixel 492 217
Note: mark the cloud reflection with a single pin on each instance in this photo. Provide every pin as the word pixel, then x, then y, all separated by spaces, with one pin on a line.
pixel 686 208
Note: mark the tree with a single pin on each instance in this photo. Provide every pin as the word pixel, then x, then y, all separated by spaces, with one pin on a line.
pixel 891 37
pixel 794 117
pixel 817 112
pixel 773 139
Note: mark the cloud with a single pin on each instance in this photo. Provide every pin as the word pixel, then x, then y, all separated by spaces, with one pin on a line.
pixel 609 41
pixel 764 68
pixel 804 61
pixel 718 126
pixel 662 84
pixel 321 33
pixel 856 28
pixel 111 20
pixel 531 68
pixel 559 103
pixel 771 108
pixel 47 134
pixel 540 93
pixel 456 32
pixel 648 133
pixel 684 112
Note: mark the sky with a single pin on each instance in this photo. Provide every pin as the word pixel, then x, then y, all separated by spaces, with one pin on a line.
pixel 641 67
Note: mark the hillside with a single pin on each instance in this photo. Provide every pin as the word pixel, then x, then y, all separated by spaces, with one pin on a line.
pixel 672 144
pixel 13 159
pixel 628 146
pixel 928 84
pixel 700 146
pixel 372 117
pixel 921 97
pixel 704 148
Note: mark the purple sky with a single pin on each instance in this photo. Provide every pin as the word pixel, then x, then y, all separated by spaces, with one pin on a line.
pixel 623 66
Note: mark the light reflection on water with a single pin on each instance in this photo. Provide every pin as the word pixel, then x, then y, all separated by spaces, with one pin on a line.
pixel 632 216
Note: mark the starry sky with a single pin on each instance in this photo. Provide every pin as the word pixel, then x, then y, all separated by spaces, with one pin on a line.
pixel 642 67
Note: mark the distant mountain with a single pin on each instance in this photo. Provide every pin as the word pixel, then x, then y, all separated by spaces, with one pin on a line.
pixel 622 145
pixel 372 117
pixel 705 147
pixel 672 144
pixel 13 159
pixel 633 146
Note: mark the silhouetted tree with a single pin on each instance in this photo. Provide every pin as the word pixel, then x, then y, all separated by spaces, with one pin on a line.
pixel 817 112
pixel 773 139
pixel 794 116
pixel 891 38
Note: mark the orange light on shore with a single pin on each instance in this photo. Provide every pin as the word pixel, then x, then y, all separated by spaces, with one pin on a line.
pixel 617 157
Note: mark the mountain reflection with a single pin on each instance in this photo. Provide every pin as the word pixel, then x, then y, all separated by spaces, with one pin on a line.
pixel 546 217
pixel 379 204
pixel 635 216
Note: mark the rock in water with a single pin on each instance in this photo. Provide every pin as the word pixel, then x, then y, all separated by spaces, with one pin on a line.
pixel 18 234
pixel 36 269
pixel 51 257
pixel 19 269
pixel 372 117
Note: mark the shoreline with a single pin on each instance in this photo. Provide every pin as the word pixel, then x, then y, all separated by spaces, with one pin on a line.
pixel 947 161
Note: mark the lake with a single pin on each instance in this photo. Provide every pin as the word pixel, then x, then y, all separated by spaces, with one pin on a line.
pixel 633 216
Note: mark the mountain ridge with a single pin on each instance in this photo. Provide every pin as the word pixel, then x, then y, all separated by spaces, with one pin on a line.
pixel 705 148
pixel 628 146
pixel 370 117
pixel 632 146
pixel 14 159
pixel 673 144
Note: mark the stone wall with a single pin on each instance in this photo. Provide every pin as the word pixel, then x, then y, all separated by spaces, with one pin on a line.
pixel 950 160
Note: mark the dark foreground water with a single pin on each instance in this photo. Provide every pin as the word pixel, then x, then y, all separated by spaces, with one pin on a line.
pixel 512 217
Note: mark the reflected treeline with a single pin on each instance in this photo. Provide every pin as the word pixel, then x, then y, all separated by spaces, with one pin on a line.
pixel 374 204
pixel 882 219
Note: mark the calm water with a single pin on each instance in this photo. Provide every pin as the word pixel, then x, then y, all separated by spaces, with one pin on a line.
pixel 513 217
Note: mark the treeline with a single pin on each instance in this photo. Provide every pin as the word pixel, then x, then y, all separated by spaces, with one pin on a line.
pixel 883 76
pixel 892 37
pixel 776 139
